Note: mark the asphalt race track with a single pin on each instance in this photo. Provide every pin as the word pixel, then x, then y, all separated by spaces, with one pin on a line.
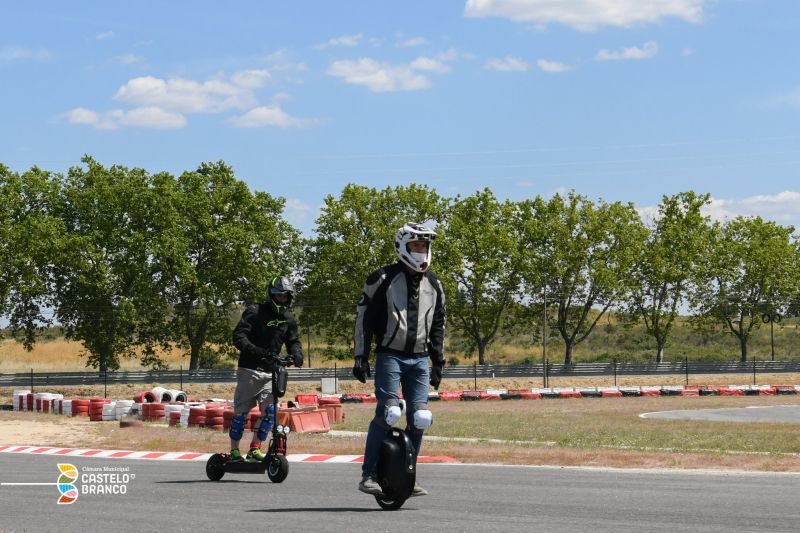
pixel 171 496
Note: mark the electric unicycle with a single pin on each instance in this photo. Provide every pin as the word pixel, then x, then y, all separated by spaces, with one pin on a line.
pixel 397 469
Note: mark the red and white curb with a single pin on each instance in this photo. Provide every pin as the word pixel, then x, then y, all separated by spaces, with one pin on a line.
pixel 187 456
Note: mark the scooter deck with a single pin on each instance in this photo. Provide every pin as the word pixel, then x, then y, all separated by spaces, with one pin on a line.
pixel 246 468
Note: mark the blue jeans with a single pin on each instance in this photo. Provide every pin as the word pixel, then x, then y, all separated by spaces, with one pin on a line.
pixel 391 373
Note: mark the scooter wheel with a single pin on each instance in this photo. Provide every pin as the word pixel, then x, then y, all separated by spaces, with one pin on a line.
pixel 277 468
pixel 390 505
pixel 215 467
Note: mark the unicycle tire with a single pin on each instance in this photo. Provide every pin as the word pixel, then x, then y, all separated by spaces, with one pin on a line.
pixel 215 467
pixel 390 505
pixel 277 468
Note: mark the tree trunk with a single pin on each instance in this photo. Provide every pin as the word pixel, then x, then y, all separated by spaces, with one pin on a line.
pixel 743 346
pixel 481 353
pixel 568 353
pixel 194 357
pixel 659 352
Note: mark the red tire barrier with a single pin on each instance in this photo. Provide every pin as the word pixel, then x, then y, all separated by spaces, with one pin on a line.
pixel 214 421
pixel 650 392
pixel 530 395
pixel 724 391
pixel 470 395
pixel 215 412
pixel 690 392
pixel 138 397
pixel 449 396
pixel 488 396
pixel 611 393
pixel 174 418
pixel 569 394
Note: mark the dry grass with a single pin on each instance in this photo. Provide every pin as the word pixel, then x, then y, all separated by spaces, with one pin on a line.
pixel 590 432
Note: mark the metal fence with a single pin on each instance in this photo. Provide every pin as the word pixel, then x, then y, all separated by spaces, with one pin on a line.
pixel 40 379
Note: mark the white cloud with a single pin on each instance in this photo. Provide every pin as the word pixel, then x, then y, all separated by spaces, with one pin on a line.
pixel 790 99
pixel 648 49
pixel 783 208
pixel 271 115
pixel 297 212
pixel 141 117
pixel 130 59
pixel 587 15
pixel 280 61
pixel 412 42
pixel 509 64
pixel 553 66
pixel 344 40
pixel 189 96
pixel 430 65
pixel 17 53
pixel 379 77
pixel 105 35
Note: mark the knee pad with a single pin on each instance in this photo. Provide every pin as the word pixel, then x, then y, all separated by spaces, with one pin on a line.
pixel 393 414
pixel 237 427
pixel 386 412
pixel 423 419
pixel 266 423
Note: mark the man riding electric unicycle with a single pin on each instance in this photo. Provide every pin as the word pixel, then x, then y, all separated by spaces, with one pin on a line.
pixel 402 307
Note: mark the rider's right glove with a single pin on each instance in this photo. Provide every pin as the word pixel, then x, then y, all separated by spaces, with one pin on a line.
pixel 361 368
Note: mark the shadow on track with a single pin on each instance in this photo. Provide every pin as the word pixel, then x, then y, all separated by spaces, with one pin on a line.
pixel 317 510
pixel 221 481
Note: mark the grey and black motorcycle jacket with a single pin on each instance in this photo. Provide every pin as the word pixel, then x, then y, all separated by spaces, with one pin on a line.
pixel 263 327
pixel 403 312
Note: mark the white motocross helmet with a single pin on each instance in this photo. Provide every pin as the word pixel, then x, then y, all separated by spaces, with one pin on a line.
pixel 412 232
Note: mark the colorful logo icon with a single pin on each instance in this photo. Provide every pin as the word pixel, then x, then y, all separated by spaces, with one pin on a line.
pixel 66 484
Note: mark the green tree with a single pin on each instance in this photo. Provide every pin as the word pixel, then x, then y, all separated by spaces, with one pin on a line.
pixel 28 235
pixel 215 244
pixel 751 269
pixel 354 236
pixel 103 289
pixel 480 269
pixel 583 256
pixel 666 264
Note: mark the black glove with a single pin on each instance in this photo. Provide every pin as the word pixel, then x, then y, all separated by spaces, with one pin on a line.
pixel 266 358
pixel 298 360
pixel 361 368
pixel 436 373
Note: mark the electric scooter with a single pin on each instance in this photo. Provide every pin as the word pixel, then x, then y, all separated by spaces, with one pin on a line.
pixel 397 468
pixel 275 463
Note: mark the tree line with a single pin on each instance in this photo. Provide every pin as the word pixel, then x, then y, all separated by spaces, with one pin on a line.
pixel 128 262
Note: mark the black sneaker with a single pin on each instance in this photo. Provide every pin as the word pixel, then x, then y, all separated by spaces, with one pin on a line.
pixel 369 485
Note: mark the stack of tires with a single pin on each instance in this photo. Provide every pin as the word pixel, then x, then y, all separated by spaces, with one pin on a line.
pixel 170 411
pixel 153 412
pixel 109 411
pixel 21 400
pixel 215 418
pixel 66 407
pixel 96 408
pixel 174 418
pixel 197 416
pixel 80 407
pixel 227 416
pixel 123 408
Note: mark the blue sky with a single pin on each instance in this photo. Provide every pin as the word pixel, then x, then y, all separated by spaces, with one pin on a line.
pixel 620 99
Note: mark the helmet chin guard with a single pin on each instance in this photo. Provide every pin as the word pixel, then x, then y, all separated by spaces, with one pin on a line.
pixel 413 232
pixel 280 285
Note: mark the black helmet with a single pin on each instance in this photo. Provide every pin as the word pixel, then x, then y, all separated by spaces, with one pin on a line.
pixel 280 285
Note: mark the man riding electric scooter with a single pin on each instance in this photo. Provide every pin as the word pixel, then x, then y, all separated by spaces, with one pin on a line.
pixel 402 307
pixel 261 332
